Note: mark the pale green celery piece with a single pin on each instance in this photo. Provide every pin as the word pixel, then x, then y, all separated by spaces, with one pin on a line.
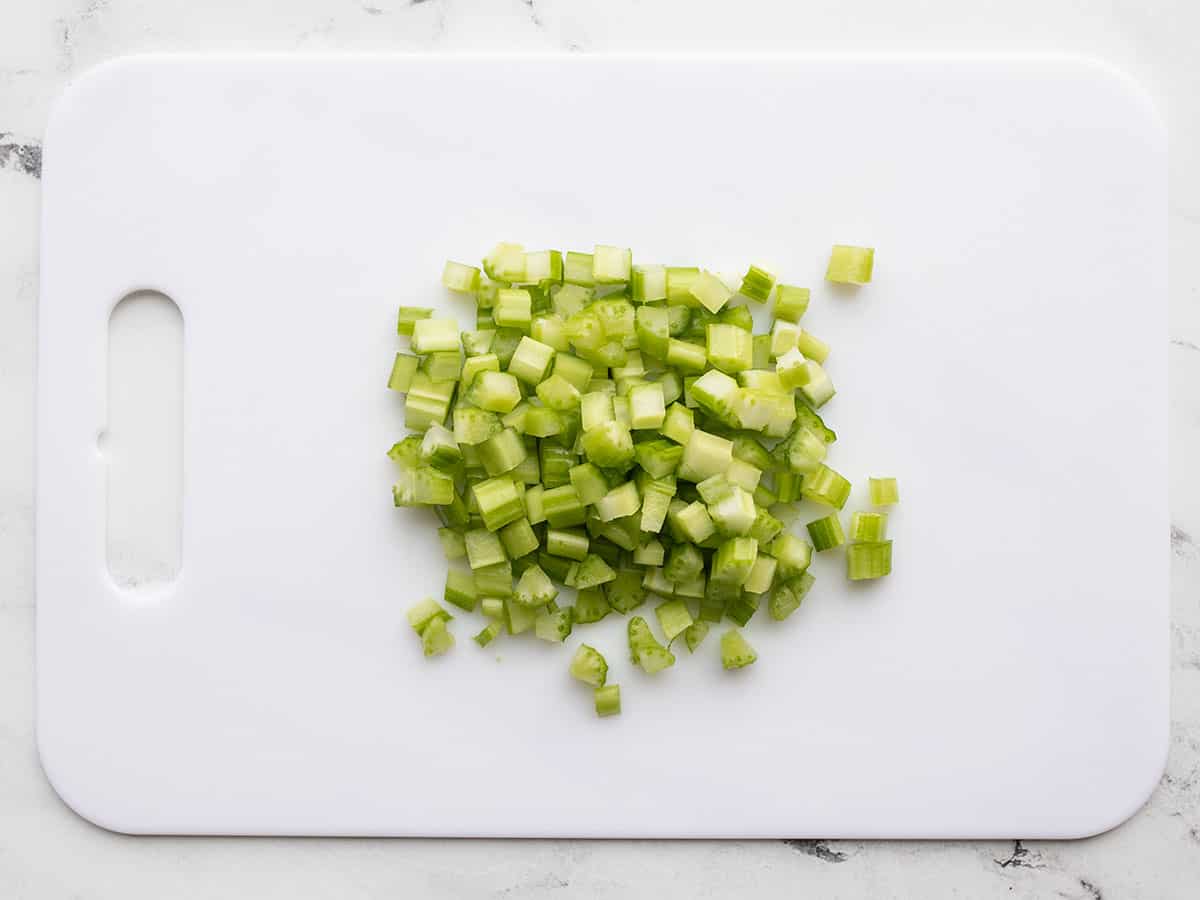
pixel 543 267
pixel 651 553
pixel 714 487
pixel 494 391
pixel 850 265
pixel 436 638
pixel 505 343
pixel 656 582
pixel 792 370
pixel 486 362
pixel 736 652
pixel 609 446
pixel 684 563
pixel 553 625
pixel 678 424
pixel 812 346
pixel 484 321
pixel 487 634
pixel 558 393
pixel 502 452
pixel 743 475
pixel 483 548
pixel 454 514
pixel 672 386
pixel 628 383
pixel 686 356
pixel 516 419
pixel 589 666
pixel 692 589
pixel 790 302
pixel 817 389
pixel 621 412
pixel 767 382
pixel 518 618
pixel 652 330
pixel 514 308
pixel 453 546
pixel 531 361
pixel 500 501
pixel 406 453
pixel 403 369
pixel 633 368
pixel 527 471
pixel 787 597
pixel 645 649
pixel 826 532
pixel 585 331
pixel 410 315
pixel 474 426
pixel 704 455
pixel 596 409
pixel 625 532
pixel 655 504
pixel 757 284
pixel 433 335
pixel 593 571
pixel 825 486
pixel 717 597
pixel 618 503
pixel 625 592
pixel 762 574
pixel 460 589
pixel 755 410
pixel 804 451
pixel 570 299
pixel 506 262
pixel 562 507
pixel 785 336
pixel 534 588
pixel 551 331
pixel 427 402
pixel 765 497
pixel 575 371
pixel 478 343
pixel 729 348
pixel 577 269
pixel 617 319
pixel 611 265
pixel 649 283
pixel 608 700
pixel 647 408
pixel 591 606
pixel 426 611
pixel 679 285
pixel 695 634
pixel 485 295
pixel 793 554
pixel 556 464
pixel 766 527
pixel 733 560
pixel 518 538
pixel 884 491
pixel 761 350
pixel 494 580
pixel 460 277
pixel 739 316
pixel 570 543
pixel 733 514
pixel 694 522
pixel 715 391
pixel 424 486
pixel 492 607
pixel 589 483
pixel 869 559
pixel 542 422
pixel 673 618
pixel 710 291
pixel 658 458
pixel 534 510
pixel 868 526
pixel 438 448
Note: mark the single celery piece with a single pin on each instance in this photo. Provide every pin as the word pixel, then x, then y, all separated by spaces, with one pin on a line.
pixel 551 331
pixel 492 607
pixel 704 455
pixel 658 458
pixel 596 409
pixel 496 392
pixel 673 618
pixel 609 446
pixel 489 633
pixel 589 666
pixel 684 563
pixel 573 370
pixel 577 269
pixel 563 507
pixel 794 555
pixel 436 638
pixel 716 597
pixel 825 486
pixel 553 625
pixel 618 503
pixel 649 283
pixel 542 422
pixel 403 370
pixel 791 370
pixel 788 596
pixel 535 511
pixel 694 522
pixel 593 571
pixel 410 315
pixel 518 538
pixel 460 277
pixel 502 452
pixel 761 576
pixel 424 486
pixel 421 614
pixel 884 491
pixel 571 298
pixel 868 526
pixel 558 393
pixel 531 361
pixel 686 357
pixel 743 474
pixel 570 543
pixel 709 291
pixel 652 329
pixel 591 605
pixel 812 346
pixel 534 588
pixel 625 592
pixel 734 513
pixel 486 362
pixel 433 335
pixel 678 424
pixel 647 408
pixel 611 265
pixel 826 533
pixel 514 308
pixel 867 560
pixel 656 502
pixel 500 502
pixel 453 546
pixel 736 652
pixel 543 267
pixel 651 553
pixel 850 265
pixel 495 580
pixel 757 284
pixel 589 483
pixel 556 462
pixel 785 336
pixel 608 700
pixel 817 387
pixel 483 548
pixel 506 262
pixel 790 302
pixel 695 634
pixel 734 560
pixel 461 590
pixel 729 348
pixel 645 649
pixel 517 618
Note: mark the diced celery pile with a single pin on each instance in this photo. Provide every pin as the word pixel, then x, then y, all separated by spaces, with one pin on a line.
pixel 614 432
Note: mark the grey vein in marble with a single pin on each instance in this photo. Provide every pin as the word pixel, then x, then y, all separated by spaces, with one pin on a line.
pixel 818 850
pixel 1021 858
pixel 23 156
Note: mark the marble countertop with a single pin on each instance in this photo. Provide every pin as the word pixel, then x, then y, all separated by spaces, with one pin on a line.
pixel 48 852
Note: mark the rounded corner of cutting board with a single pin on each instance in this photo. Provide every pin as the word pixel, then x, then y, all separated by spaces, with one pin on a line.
pixel 70 787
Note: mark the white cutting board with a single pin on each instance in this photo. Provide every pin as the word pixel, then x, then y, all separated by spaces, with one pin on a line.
pixel 1007 364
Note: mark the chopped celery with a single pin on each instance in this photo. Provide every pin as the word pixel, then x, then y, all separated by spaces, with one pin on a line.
pixel 794 555
pixel 589 666
pixel 645 649
pixel 647 408
pixel 850 265
pixel 461 590
pixel 506 262
pixel 826 486
pixel 502 452
pixel 649 283
pixel 709 291
pixel 436 639
pixel 518 538
pixel 761 575
pixel 884 491
pixel 826 533
pixel 453 546
pixel 483 548
pixel 570 543
pixel 518 618
pixel 704 455
pixel 591 605
pixel 868 526
pixel 651 553
pixel 409 316
pixel 558 393
pixel 868 560
pixel 611 265
pixel 492 607
pixel 534 588
pixel 757 284
pixel 618 503
pixel 461 278
pixel 577 269
pixel 812 346
pixel 736 652
pixel 673 618
pixel 625 592
pixel 790 302
pixel 432 335
pixel 608 700
pixel 488 634
pixel 741 606
pixel 553 625
pixel 788 596
pixel 695 634
pixel 678 424
pixel 425 612
pixel 403 370
pixel 530 361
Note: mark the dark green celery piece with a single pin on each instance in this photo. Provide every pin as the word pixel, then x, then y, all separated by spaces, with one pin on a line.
pixel 742 608
pixel 591 605
pixel 787 597
pixel 625 592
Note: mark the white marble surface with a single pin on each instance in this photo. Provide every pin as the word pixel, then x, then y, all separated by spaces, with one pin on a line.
pixel 47 852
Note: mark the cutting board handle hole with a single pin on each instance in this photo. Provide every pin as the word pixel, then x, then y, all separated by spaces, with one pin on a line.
pixel 142 442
